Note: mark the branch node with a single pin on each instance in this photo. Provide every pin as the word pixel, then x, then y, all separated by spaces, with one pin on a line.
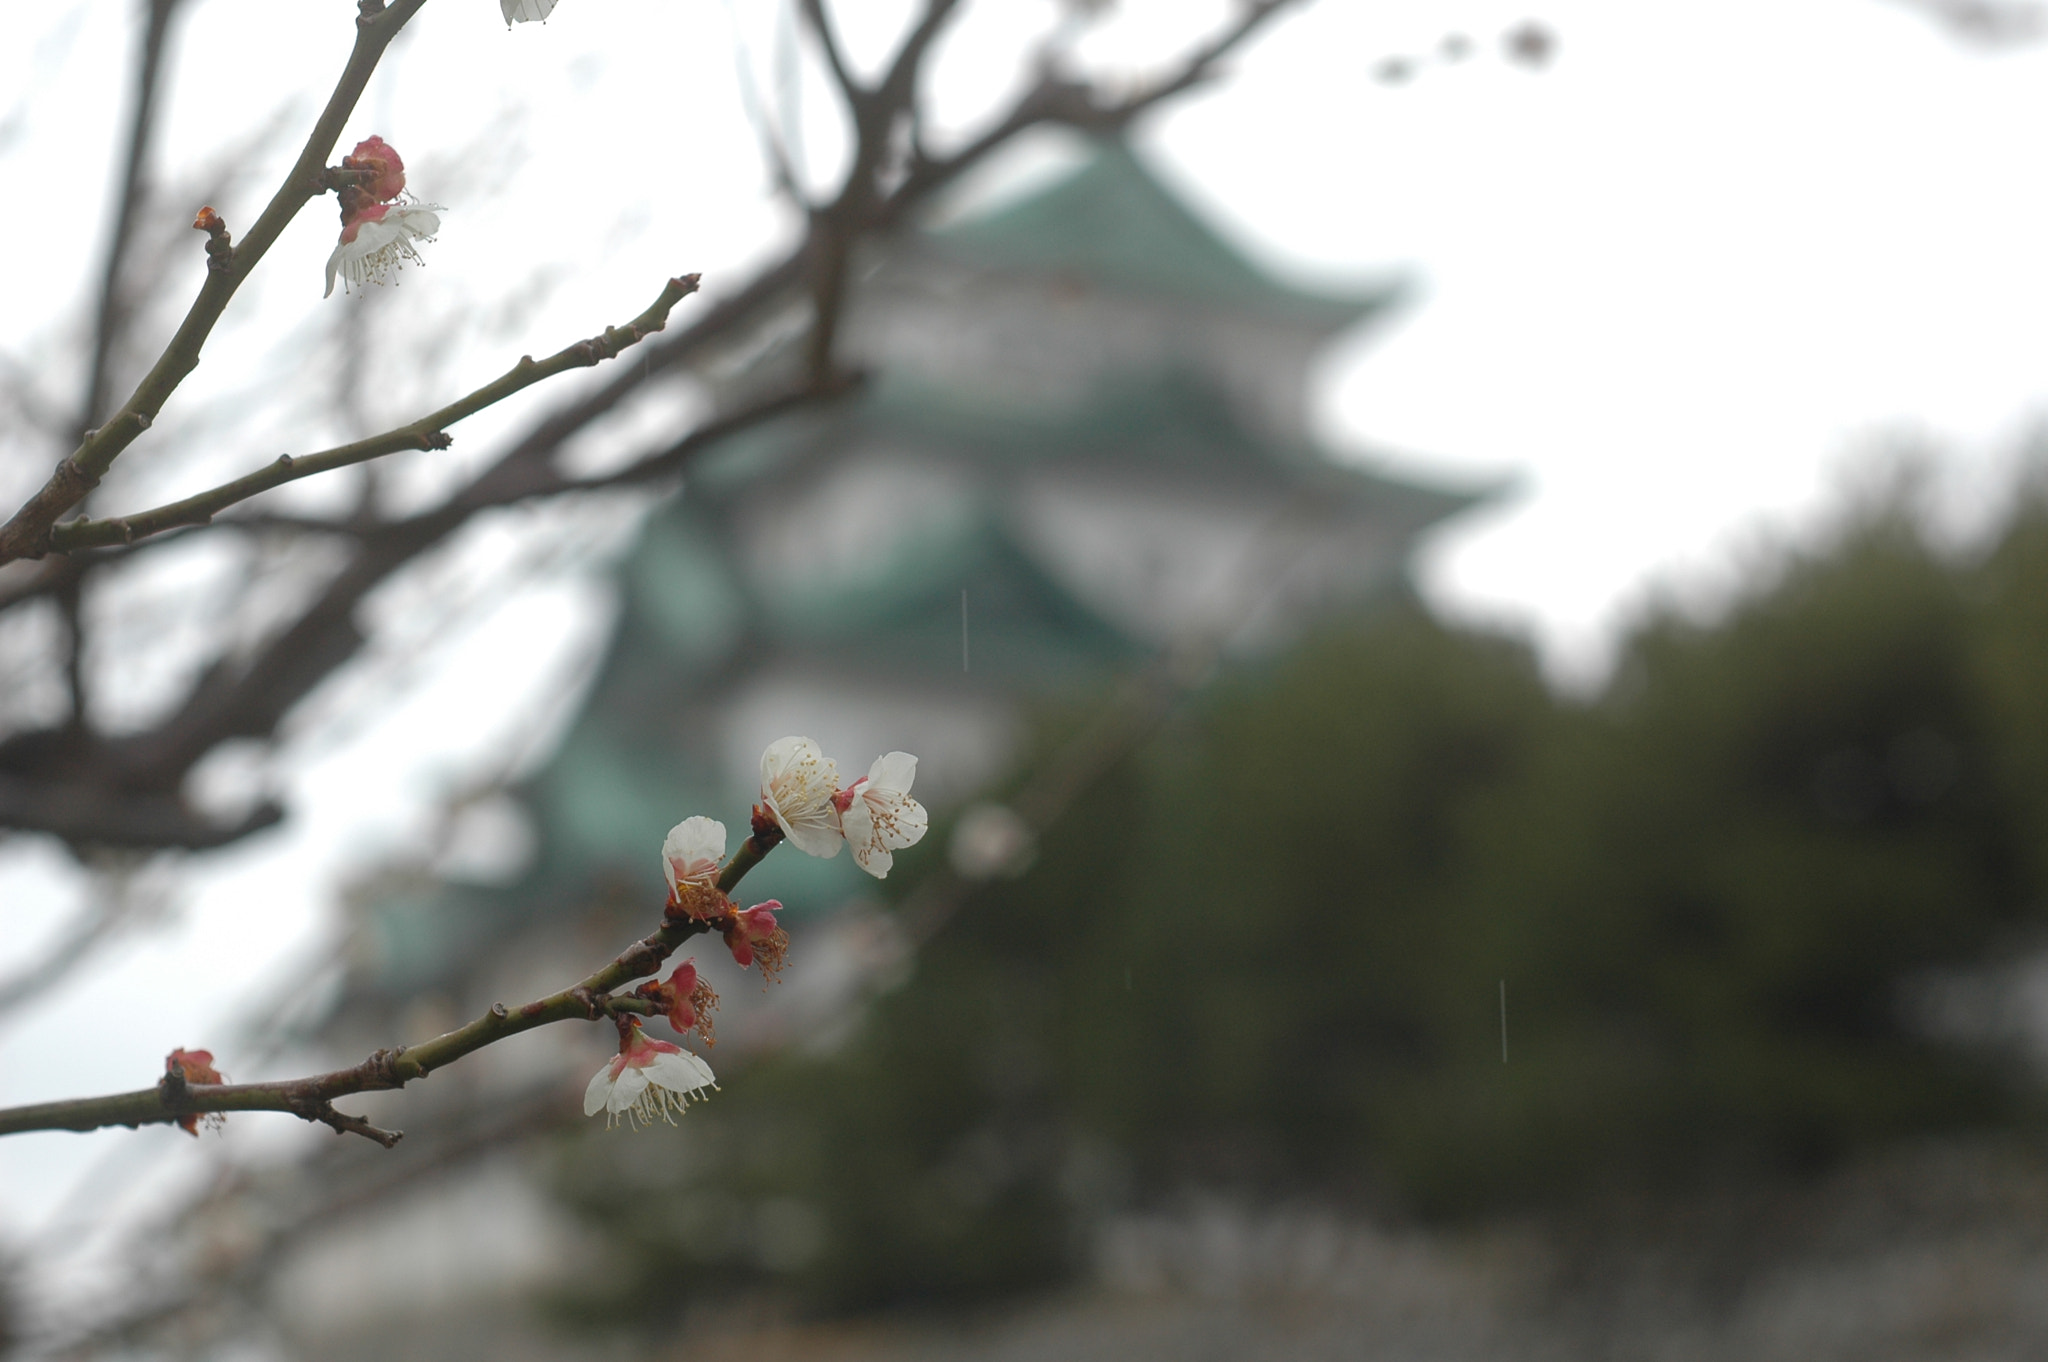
pixel 220 248
pixel 592 1007
pixel 435 439
pixel 500 1011
pixel 345 1124
pixel 337 178
pixel 284 461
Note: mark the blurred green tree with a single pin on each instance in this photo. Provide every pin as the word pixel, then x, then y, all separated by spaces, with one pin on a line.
pixel 1265 951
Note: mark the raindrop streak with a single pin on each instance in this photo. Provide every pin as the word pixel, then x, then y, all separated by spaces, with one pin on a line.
pixel 1503 1021
pixel 963 630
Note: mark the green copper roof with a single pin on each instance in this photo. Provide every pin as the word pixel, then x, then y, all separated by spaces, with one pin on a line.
pixel 691 627
pixel 1112 224
pixel 1171 424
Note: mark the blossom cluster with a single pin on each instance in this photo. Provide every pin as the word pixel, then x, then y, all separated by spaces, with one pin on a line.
pixel 874 815
pixel 802 801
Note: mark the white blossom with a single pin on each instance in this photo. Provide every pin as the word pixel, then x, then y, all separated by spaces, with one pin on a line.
pixel 647 1079
pixel 525 11
pixel 798 783
pixel 380 241
pixel 877 814
pixel 691 852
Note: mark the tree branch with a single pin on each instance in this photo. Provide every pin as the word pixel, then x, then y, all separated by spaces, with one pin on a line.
pixel 27 534
pixel 141 129
pixel 133 776
pixel 428 432
pixel 312 1098
pixel 855 94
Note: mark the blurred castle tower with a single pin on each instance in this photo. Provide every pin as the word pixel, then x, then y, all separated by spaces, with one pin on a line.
pixel 1085 439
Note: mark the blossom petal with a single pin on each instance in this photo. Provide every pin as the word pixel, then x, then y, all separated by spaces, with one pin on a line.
pixel 903 824
pixel 526 11
pixel 858 824
pixel 797 785
pixel 632 1081
pixel 680 1072
pixel 381 244
pixel 594 1096
pixel 893 771
pixel 692 850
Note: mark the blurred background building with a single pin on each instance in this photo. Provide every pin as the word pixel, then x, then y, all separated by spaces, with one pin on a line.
pixel 1084 442
pixel 1377 996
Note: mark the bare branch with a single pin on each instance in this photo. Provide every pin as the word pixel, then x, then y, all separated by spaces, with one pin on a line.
pixel 855 93
pixel 428 432
pixel 82 811
pixel 141 130
pixel 27 534
pixel 118 790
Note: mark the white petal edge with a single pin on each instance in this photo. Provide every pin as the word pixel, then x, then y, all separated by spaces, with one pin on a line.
pixel 893 771
pixel 817 836
pixel 694 839
pixel 682 1072
pixel 813 831
pixel 784 753
pixel 526 11
pixel 632 1082
pixel 599 1090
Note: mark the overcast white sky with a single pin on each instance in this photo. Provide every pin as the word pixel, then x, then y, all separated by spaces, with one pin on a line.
pixel 1673 284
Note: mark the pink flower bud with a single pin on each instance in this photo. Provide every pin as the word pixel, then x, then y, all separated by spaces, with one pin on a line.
pixel 685 999
pixel 752 935
pixel 193 1066
pixel 376 154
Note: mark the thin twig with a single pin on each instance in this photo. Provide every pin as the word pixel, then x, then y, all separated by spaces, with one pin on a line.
pixel 112 313
pixel 27 534
pixel 428 432
pixel 127 775
pixel 312 1098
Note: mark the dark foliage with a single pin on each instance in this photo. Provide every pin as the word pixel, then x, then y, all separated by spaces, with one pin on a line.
pixel 1266 951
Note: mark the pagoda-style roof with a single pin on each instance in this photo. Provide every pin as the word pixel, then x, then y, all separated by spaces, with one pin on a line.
pixel 1172 427
pixel 702 618
pixel 1113 225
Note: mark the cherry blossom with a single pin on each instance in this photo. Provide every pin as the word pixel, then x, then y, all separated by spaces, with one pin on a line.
pixel 685 999
pixel 753 935
pixel 377 240
pixel 648 1078
pixel 798 783
pixel 525 11
pixel 691 852
pixel 877 814
pixel 379 156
